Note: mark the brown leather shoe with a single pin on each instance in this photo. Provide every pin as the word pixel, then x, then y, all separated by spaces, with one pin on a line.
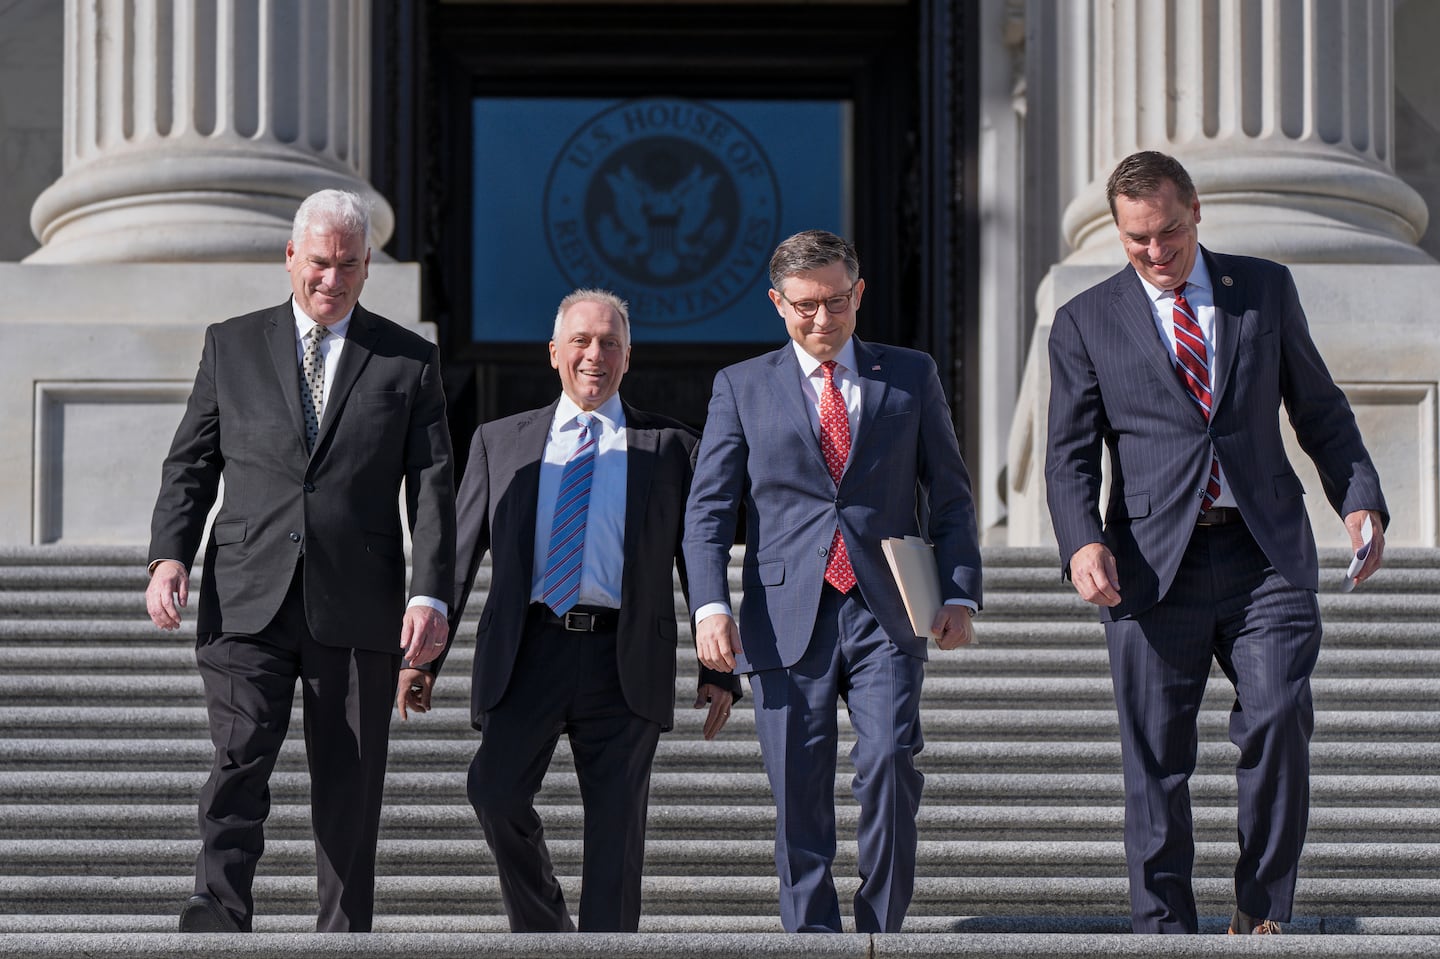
pixel 1242 924
pixel 201 913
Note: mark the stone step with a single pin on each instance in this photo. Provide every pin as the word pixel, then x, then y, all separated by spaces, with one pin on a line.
pixel 63 555
pixel 1021 825
pixel 1041 562
pixel 727 787
pixel 448 820
pixel 1376 634
pixel 973 725
pixel 469 855
pixel 994 557
pixel 675 938
pixel 725 895
pixel 940 692
pixel 993 657
pixel 678 755
pixel 1000 605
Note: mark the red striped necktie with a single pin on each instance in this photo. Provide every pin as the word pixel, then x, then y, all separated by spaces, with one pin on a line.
pixel 835 447
pixel 1192 362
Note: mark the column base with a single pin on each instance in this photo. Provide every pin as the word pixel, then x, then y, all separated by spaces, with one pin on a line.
pixel 186 206
pixel 1295 205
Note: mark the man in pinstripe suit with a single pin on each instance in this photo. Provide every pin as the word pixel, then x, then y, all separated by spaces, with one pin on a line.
pixel 1178 365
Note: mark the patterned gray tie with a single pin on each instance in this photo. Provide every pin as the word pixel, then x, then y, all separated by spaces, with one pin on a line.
pixel 312 391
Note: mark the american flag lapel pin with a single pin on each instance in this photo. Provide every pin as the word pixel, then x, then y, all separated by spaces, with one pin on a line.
pixel 875 368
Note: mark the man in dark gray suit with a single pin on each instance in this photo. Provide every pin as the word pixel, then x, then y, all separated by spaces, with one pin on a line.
pixel 832 445
pixel 580 504
pixel 315 412
pixel 1178 365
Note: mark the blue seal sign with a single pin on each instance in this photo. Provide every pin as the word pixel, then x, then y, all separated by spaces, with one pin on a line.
pixel 671 203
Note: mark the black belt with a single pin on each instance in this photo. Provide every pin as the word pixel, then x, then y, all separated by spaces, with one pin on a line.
pixel 592 619
pixel 1218 516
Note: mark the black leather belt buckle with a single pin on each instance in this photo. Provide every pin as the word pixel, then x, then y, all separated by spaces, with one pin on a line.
pixel 579 622
pixel 1218 516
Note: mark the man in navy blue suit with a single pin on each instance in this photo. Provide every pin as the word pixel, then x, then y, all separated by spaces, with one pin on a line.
pixel 832 445
pixel 1178 365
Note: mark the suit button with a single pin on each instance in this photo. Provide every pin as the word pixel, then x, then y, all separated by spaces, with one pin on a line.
pixel 309 487
pixel 820 551
pixel 294 537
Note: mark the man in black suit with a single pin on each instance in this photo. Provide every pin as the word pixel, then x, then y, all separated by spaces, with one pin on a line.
pixel 315 412
pixel 1178 365
pixel 581 504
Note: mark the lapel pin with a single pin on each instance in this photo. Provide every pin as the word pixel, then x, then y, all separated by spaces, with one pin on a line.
pixel 875 368
pixel 1225 280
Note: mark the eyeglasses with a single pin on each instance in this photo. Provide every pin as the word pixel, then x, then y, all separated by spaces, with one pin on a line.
pixel 834 305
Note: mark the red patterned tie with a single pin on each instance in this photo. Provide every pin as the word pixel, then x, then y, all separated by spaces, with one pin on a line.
pixel 835 447
pixel 1193 365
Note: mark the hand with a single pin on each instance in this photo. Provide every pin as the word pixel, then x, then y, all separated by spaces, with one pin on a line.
pixel 952 627
pixel 168 591
pixel 422 635
pixel 717 640
pixel 413 691
pixel 1354 523
pixel 719 701
pixel 1092 571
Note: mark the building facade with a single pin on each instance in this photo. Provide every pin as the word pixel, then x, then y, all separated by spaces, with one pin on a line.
pixel 153 152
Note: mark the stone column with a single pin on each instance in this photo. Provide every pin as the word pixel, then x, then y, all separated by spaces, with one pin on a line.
pixel 1280 109
pixel 193 128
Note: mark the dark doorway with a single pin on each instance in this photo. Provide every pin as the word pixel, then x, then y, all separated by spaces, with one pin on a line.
pixel 898 68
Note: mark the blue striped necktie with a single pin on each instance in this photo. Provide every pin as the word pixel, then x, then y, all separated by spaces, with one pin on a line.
pixel 567 531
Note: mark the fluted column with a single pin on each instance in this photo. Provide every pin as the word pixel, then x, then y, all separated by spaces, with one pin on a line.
pixel 193 128
pixel 1281 111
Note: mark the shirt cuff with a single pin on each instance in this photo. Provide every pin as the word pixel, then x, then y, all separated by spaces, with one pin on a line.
pixel 969 604
pixel 156 562
pixel 711 609
pixel 432 602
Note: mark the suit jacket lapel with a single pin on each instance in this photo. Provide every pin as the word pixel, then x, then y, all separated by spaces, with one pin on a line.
pixel 1228 293
pixel 360 342
pixel 874 384
pixel 641 444
pixel 530 437
pixel 1136 314
pixel 283 347
pixel 791 400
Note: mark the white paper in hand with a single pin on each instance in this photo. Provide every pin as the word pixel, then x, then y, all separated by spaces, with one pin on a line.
pixel 1367 532
pixel 912 562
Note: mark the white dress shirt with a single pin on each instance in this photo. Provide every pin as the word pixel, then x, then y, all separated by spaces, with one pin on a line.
pixel 603 563
pixel 1200 294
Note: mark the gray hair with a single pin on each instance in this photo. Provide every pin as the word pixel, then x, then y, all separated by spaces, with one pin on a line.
pixel 587 295
pixel 338 210
pixel 812 250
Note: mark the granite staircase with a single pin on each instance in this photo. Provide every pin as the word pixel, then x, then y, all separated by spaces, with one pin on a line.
pixel 104 749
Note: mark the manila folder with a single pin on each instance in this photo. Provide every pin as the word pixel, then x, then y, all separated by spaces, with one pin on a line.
pixel 912 562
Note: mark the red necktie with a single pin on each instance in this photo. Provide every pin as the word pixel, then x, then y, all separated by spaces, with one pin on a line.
pixel 835 447
pixel 1193 365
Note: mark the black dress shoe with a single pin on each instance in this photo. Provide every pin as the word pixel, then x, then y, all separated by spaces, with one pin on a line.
pixel 201 913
